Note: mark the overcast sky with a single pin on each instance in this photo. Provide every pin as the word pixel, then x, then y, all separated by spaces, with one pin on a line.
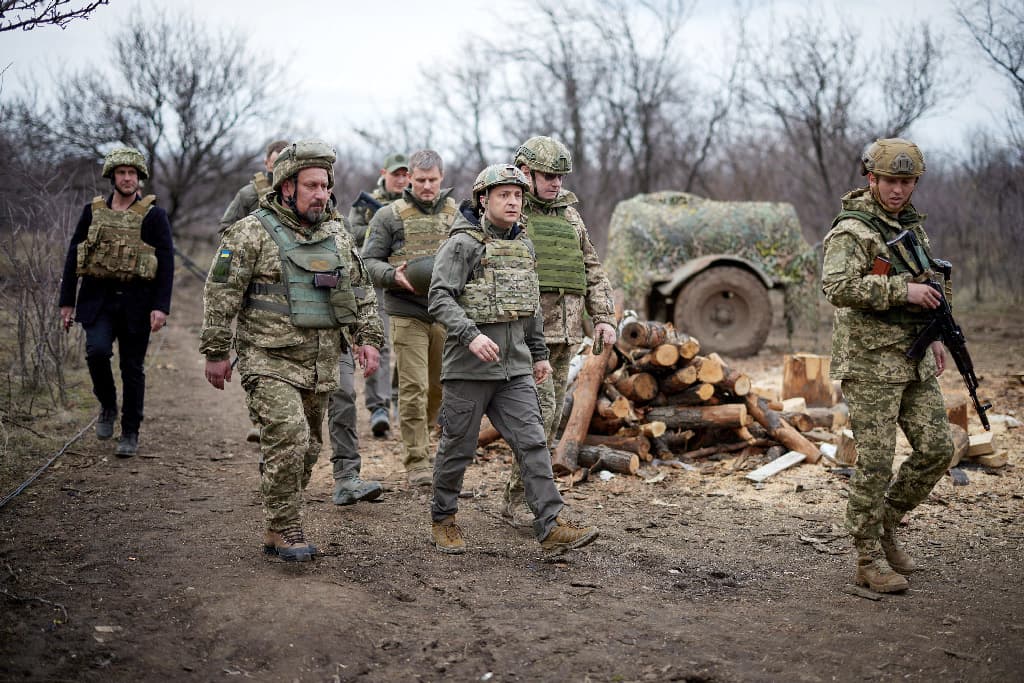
pixel 341 52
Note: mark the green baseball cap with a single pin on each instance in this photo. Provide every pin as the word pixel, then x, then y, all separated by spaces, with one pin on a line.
pixel 395 161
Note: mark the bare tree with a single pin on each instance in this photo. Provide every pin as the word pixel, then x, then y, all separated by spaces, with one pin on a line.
pixel 29 14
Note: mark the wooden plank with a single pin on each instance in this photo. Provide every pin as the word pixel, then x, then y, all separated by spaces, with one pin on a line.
pixel 775 466
pixel 994 460
pixel 981 444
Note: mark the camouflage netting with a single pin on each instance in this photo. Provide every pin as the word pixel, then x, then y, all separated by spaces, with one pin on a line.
pixel 651 235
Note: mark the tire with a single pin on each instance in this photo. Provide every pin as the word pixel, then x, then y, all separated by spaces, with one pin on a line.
pixel 727 309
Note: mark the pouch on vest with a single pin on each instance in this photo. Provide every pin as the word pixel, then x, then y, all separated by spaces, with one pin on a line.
pixel 560 266
pixel 113 248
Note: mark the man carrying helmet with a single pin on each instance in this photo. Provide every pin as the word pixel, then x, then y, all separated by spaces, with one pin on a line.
pixel 290 274
pixel 880 310
pixel 399 250
pixel 571 281
pixel 484 290
pixel 123 252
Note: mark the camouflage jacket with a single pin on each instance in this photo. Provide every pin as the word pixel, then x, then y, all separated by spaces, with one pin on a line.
pixel 266 342
pixel 563 313
pixel 521 341
pixel 359 218
pixel 387 235
pixel 245 202
pixel 865 345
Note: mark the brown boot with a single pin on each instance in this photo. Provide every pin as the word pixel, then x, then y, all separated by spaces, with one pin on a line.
pixel 289 544
pixel 447 536
pixel 566 535
pixel 895 555
pixel 874 572
pixel 513 508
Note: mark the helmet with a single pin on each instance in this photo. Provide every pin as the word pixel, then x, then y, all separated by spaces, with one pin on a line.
pixel 498 174
pixel 125 156
pixel 304 154
pixel 544 154
pixel 418 271
pixel 894 157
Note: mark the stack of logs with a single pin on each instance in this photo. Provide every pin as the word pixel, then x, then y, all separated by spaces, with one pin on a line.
pixel 655 396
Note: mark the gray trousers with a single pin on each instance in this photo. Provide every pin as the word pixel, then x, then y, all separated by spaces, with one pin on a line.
pixel 341 421
pixel 378 387
pixel 514 411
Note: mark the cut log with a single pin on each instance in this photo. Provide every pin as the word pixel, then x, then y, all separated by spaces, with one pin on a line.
pixel 821 436
pixel 659 359
pixel 846 451
pixel 700 417
pixel 588 385
pixel 797 404
pixel 957 410
pixel 709 369
pixel 777 465
pixel 678 440
pixel 602 457
pixel 961 442
pixel 679 380
pixel 806 375
pixel 692 396
pixel 605 425
pixel 653 430
pixel 638 388
pixel 820 418
pixel 770 394
pixel 993 460
pixel 779 429
pixel 689 347
pixel 488 434
pixel 645 334
pixel 735 382
pixel 660 449
pixel 743 434
pixel 725 448
pixel 634 444
pixel 801 421
pixel 981 444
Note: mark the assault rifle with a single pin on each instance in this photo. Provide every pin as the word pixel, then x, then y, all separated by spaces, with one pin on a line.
pixel 366 201
pixel 942 326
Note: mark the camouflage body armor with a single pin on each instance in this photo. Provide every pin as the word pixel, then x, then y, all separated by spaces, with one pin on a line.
pixel 113 248
pixel 316 291
pixel 506 286
pixel 424 232
pixel 560 265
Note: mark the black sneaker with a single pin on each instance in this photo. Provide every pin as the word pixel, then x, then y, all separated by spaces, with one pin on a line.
pixel 128 445
pixel 379 422
pixel 105 423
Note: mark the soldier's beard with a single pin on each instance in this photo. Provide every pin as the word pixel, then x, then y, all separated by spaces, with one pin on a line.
pixel 314 214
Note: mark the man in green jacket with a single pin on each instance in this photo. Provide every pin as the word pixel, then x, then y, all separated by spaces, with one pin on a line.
pixel 484 290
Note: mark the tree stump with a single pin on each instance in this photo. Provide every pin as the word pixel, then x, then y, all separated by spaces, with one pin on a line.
pixel 806 375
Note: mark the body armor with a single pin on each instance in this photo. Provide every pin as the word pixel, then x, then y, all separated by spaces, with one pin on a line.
pixel 315 291
pixel 505 286
pixel 424 232
pixel 113 247
pixel 560 265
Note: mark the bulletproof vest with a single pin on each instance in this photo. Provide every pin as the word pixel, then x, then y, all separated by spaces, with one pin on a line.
pixel 261 182
pixel 909 314
pixel 113 247
pixel 559 257
pixel 424 232
pixel 504 286
pixel 315 290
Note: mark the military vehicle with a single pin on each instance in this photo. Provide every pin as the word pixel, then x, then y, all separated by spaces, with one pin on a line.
pixel 708 266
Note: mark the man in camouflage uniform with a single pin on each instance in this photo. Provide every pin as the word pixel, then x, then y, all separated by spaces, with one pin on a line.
pixel 880 311
pixel 290 273
pixel 571 281
pixel 407 233
pixel 123 252
pixel 484 291
pixel 394 178
pixel 247 199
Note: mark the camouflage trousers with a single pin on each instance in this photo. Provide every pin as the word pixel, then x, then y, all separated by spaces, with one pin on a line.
pixel 551 394
pixel 876 408
pixel 290 422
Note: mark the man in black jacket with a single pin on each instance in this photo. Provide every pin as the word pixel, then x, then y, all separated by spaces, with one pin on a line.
pixel 123 252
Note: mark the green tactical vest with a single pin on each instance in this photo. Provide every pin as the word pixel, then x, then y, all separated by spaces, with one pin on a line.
pixel 505 287
pixel 113 248
pixel 559 257
pixel 912 315
pixel 262 184
pixel 424 232
pixel 299 296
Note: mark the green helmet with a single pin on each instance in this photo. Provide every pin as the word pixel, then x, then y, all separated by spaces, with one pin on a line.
pixel 125 156
pixel 893 157
pixel 498 174
pixel 418 273
pixel 304 154
pixel 544 154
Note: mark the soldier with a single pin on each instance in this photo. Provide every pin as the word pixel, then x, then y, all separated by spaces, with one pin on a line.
pixel 291 275
pixel 123 252
pixel 571 282
pixel 879 313
pixel 247 199
pixel 401 243
pixel 484 291
pixel 394 178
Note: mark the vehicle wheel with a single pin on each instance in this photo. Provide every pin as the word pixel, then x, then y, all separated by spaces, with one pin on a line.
pixel 727 309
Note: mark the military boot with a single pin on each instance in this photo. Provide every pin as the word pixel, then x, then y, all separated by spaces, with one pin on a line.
pixel 567 535
pixel 289 544
pixel 447 536
pixel 127 445
pixel 874 572
pixel 513 508
pixel 895 555
pixel 105 423
pixel 353 489
pixel 380 424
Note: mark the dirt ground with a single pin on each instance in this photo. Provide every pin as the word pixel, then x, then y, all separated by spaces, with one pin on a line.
pixel 151 569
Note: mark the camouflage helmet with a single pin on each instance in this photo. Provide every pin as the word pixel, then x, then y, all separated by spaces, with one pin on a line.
pixel 893 157
pixel 418 272
pixel 125 156
pixel 541 153
pixel 498 174
pixel 304 154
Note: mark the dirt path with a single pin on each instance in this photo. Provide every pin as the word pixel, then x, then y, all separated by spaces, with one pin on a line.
pixel 697 577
